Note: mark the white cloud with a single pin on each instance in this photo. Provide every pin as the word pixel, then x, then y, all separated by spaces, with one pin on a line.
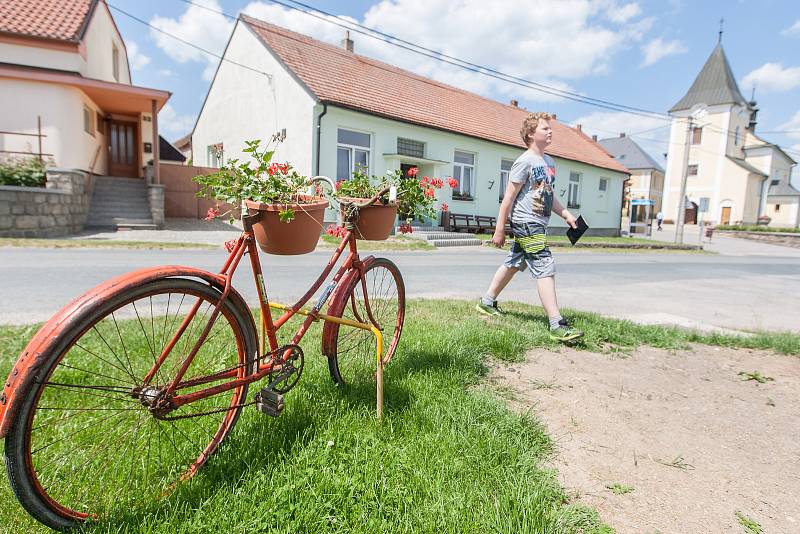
pixel 773 77
pixel 658 49
pixel 576 41
pixel 136 59
pixel 792 30
pixel 625 13
pixel 173 125
pixel 651 134
pixel 198 26
pixel 792 124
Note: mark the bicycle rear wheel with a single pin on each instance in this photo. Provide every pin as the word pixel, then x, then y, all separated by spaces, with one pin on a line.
pixel 351 354
pixel 85 444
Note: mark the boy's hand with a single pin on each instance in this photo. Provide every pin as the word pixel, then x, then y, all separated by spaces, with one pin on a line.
pixel 499 238
pixel 570 219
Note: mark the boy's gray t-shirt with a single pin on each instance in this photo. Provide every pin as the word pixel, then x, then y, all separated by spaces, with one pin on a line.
pixel 537 175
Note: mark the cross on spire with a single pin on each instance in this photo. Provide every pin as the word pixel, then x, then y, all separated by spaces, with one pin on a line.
pixel 721 23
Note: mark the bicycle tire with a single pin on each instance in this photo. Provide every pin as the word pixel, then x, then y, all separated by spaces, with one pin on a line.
pixel 351 352
pixel 71 483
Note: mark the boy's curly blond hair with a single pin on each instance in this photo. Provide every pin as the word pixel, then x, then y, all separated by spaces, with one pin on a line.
pixel 530 123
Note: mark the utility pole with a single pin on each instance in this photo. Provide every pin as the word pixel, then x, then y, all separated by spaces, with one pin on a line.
pixel 682 196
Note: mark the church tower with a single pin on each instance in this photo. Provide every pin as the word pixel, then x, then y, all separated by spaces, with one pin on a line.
pixel 717 170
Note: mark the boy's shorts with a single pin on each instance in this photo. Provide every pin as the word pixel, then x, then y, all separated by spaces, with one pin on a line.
pixel 529 250
pixel 541 263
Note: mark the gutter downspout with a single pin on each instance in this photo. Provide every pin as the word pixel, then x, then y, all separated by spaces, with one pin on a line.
pixel 319 134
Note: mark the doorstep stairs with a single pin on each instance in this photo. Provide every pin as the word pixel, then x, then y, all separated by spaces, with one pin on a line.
pixel 121 204
pixel 438 237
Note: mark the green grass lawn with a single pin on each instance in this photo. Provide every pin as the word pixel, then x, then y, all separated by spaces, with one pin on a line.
pixel 98 243
pixel 447 457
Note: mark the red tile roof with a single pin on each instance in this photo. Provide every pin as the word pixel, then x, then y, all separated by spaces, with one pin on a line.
pixel 345 79
pixel 63 20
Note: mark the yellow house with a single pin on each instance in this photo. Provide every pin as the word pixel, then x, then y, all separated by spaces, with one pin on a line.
pixel 736 174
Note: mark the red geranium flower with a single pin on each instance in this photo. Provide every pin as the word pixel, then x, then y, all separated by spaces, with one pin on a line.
pixel 405 228
pixel 424 180
pixel 339 184
pixel 230 245
pixel 430 193
pixel 445 207
pixel 413 171
pixel 437 183
pixel 452 182
pixel 212 213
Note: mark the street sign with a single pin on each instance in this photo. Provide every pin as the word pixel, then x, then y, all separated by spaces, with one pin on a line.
pixel 702 207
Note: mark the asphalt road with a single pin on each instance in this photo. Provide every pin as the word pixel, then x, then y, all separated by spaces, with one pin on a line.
pixel 757 291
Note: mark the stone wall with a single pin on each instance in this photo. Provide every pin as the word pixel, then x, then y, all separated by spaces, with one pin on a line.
pixel 57 210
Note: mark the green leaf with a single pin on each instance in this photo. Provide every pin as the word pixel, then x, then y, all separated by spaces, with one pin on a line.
pixel 286 215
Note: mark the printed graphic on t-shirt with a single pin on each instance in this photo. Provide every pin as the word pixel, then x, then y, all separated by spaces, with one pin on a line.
pixel 543 178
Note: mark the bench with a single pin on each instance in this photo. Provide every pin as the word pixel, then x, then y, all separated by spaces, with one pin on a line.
pixel 458 222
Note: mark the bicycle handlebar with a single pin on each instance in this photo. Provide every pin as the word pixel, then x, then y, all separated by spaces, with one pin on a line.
pixel 392 190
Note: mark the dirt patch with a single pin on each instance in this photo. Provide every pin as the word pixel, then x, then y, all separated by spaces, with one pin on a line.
pixel 670 442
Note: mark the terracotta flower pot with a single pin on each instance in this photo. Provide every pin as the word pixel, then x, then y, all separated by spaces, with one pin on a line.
pixel 299 236
pixel 374 222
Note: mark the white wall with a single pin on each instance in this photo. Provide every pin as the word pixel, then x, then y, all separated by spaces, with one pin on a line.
pixel 244 105
pixel 42 57
pixel 61 110
pixel 100 34
pixel 601 210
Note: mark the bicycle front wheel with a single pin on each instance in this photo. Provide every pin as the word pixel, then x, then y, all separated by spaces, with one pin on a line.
pixel 351 355
pixel 86 443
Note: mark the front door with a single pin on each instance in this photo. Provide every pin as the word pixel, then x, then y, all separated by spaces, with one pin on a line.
pixel 123 156
pixel 726 216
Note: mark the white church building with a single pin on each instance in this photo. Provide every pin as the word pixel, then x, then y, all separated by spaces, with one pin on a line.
pixel 742 176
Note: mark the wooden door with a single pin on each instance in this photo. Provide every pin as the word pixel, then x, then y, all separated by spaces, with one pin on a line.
pixel 726 216
pixel 123 156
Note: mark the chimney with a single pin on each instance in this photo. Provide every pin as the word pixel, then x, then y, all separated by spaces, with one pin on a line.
pixel 579 127
pixel 594 138
pixel 347 43
pixel 515 103
pixel 622 135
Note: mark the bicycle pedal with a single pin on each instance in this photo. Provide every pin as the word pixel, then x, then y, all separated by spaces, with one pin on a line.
pixel 269 402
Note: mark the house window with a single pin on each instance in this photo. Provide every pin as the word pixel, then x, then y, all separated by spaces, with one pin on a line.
pixel 352 153
pixel 692 170
pixel 88 120
pixel 697 135
pixel 464 173
pixel 505 168
pixel 603 185
pixel 115 60
pixel 574 190
pixel 774 182
pixel 101 124
pixel 736 136
pixel 409 147
pixel 777 208
pixel 215 154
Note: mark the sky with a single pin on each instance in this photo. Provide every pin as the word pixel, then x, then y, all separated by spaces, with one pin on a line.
pixel 644 54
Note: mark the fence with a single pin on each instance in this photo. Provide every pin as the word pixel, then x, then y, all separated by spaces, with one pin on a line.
pixel 180 195
pixel 39 135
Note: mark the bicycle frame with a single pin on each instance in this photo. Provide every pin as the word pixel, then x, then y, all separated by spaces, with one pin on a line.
pixel 236 376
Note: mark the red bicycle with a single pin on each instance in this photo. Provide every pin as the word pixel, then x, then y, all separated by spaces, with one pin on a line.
pixel 131 387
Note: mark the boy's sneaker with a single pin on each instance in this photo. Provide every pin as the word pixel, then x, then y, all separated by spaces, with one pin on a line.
pixel 565 332
pixel 485 309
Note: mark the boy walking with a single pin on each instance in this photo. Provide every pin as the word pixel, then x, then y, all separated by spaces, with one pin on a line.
pixel 529 199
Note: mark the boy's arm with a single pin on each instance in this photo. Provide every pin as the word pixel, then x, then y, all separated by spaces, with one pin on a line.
pixel 564 213
pixel 512 190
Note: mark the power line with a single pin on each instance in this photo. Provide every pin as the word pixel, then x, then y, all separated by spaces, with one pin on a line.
pixel 187 43
pixel 444 58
